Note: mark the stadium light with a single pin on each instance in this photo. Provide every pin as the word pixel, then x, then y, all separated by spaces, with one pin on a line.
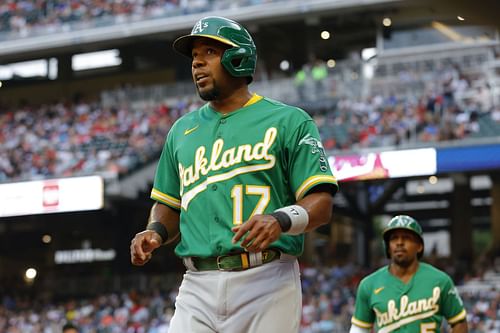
pixel 30 274
pixel 433 180
pixel 92 60
pixel 460 18
pixel 52 69
pixel 25 69
pixel 46 239
pixel 387 22
pixel 325 35
pixel 331 63
pixel 1 84
pixel 284 65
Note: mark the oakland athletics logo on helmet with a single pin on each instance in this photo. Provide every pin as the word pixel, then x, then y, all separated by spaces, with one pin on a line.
pixel 240 59
pixel 402 222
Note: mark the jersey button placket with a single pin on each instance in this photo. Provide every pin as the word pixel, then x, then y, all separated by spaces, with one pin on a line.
pixel 220 131
pixel 214 188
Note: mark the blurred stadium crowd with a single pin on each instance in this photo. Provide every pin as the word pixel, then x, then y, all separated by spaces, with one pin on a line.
pixel 86 137
pixel 89 136
pixel 28 17
pixel 328 303
pixel 67 139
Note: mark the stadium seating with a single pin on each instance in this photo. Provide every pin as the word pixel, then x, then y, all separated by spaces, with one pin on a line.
pixel 423 99
pixel 328 304
pixel 120 139
pixel 29 17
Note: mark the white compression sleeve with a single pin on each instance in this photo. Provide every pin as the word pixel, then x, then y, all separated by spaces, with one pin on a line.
pixel 357 329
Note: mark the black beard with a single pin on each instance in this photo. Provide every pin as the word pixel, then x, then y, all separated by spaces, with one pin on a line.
pixel 209 95
pixel 402 262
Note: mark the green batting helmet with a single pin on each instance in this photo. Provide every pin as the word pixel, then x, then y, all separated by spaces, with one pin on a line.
pixel 402 222
pixel 240 59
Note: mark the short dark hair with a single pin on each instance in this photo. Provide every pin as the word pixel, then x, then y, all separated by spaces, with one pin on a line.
pixel 69 326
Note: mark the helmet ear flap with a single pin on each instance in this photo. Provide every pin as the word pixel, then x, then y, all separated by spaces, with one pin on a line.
pixel 239 61
pixel 237 57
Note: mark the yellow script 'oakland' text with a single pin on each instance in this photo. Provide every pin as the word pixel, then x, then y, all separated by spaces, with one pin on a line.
pixel 408 309
pixel 224 159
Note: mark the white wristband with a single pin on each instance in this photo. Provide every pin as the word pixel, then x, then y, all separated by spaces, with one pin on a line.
pixel 299 218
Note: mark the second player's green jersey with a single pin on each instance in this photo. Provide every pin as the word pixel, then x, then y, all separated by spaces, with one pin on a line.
pixel 219 170
pixel 390 305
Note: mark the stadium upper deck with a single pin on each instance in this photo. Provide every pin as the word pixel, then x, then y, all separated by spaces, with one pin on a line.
pixel 421 97
pixel 33 28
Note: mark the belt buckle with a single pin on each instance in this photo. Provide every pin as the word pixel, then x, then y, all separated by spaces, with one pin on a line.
pixel 218 259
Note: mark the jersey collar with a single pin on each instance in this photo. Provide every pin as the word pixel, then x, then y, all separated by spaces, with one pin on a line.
pixel 254 99
pixel 212 113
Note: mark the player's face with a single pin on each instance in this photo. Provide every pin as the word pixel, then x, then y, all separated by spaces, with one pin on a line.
pixel 404 246
pixel 209 76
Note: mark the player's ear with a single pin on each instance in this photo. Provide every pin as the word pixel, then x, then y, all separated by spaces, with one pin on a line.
pixel 421 248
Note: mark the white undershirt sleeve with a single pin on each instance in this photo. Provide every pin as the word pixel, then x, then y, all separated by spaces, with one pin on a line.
pixel 357 329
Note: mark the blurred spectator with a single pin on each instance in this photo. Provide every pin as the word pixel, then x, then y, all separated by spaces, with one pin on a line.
pixel 300 81
pixel 319 73
pixel 495 115
pixel 69 328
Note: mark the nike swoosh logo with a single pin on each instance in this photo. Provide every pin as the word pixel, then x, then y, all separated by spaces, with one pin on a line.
pixel 191 130
pixel 378 290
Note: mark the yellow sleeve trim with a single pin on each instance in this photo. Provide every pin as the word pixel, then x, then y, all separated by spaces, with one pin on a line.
pixel 165 198
pixel 459 317
pixel 360 323
pixel 313 181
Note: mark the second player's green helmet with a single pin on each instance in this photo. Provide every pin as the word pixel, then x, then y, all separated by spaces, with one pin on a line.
pixel 402 222
pixel 240 59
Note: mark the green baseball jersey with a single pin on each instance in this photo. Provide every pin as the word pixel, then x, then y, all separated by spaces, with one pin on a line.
pixel 219 170
pixel 389 304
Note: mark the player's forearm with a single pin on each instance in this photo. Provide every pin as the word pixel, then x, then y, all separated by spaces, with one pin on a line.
pixel 460 327
pixel 319 206
pixel 166 216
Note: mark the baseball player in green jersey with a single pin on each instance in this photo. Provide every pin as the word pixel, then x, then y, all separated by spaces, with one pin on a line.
pixel 240 180
pixel 407 295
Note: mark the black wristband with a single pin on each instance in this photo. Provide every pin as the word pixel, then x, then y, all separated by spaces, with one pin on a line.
pixel 283 219
pixel 160 229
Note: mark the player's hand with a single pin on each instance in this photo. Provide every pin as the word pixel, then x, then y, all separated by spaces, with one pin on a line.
pixel 257 233
pixel 143 245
